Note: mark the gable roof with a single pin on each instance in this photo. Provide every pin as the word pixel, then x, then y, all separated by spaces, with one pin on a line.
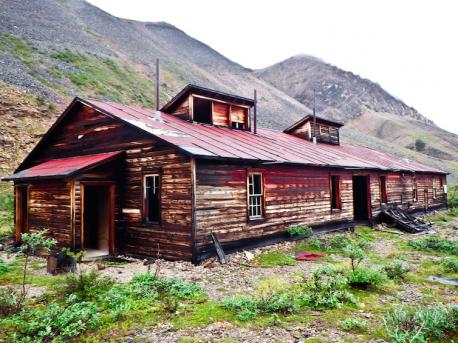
pixel 318 120
pixel 267 146
pixel 210 93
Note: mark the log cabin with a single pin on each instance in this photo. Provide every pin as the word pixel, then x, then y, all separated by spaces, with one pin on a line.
pixel 117 179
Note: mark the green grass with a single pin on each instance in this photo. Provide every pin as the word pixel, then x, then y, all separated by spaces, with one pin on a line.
pixel 6 212
pixel 273 259
pixel 18 47
pixel 202 314
pixel 106 77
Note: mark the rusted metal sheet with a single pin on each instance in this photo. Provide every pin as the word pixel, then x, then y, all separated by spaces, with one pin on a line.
pixel 63 167
pixel 267 146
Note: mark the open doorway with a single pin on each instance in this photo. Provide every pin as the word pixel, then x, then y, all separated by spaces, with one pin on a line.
pixel 202 110
pixel 98 220
pixel 360 198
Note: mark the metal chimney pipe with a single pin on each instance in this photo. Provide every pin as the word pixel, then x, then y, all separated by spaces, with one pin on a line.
pixel 254 111
pixel 314 118
pixel 157 84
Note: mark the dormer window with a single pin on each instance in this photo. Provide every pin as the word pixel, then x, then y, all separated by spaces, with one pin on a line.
pixel 202 109
pixel 202 105
pixel 325 131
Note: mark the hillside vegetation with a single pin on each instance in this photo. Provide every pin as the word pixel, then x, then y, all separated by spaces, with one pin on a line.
pixel 54 50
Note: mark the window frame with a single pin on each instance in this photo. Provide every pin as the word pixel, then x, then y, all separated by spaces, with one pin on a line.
pixel 383 190
pixel 145 198
pixel 414 190
pixel 338 197
pixel 259 195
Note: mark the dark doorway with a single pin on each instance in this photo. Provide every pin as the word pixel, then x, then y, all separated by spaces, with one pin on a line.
pixel 202 110
pixel 98 218
pixel 360 198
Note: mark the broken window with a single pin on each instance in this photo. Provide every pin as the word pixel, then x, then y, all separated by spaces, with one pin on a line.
pixel 414 190
pixel 383 195
pixel 237 125
pixel 152 198
pixel 202 110
pixel 335 193
pixel 434 188
pixel 255 197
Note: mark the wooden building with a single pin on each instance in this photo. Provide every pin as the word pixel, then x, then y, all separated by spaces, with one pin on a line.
pixel 124 179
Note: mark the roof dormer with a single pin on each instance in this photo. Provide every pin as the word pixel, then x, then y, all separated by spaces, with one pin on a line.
pixel 203 105
pixel 327 131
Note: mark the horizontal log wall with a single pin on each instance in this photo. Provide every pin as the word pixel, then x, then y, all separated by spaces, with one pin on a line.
pixel 49 207
pixel 173 237
pixel 293 196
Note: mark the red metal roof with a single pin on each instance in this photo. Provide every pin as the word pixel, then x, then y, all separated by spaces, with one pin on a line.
pixel 207 141
pixel 63 167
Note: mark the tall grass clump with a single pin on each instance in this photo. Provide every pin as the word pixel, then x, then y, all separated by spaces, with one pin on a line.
pixel 435 244
pixel 421 325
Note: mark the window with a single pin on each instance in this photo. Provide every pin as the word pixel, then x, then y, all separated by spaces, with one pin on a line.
pixel 152 198
pixel 434 187
pixel 255 196
pixel 415 190
pixel 335 193
pixel 202 110
pixel 237 125
pixel 383 195
pixel 324 130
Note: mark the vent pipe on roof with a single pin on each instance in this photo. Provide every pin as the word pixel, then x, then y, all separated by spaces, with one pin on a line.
pixel 157 84
pixel 254 111
pixel 314 118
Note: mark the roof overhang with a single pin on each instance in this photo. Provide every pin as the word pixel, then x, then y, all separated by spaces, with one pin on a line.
pixel 63 168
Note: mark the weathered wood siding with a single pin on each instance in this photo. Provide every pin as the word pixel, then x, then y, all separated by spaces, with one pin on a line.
pixel 49 207
pixel 172 238
pixel 293 196
pixel 86 131
pixel 325 133
pixel 182 110
pixel 221 113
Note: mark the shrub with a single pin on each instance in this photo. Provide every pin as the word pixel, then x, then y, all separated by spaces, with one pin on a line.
pixel 452 198
pixel 273 259
pixel 435 243
pixel 422 324
pixel 326 289
pixel 395 270
pixel 354 324
pixel 85 286
pixel 300 231
pixel 10 302
pixel 449 264
pixel 354 253
pixel 4 267
pixel 249 307
pixel 58 323
pixel 365 278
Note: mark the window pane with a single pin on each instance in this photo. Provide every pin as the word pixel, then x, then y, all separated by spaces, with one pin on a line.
pixel 255 195
pixel 152 198
pixel 335 192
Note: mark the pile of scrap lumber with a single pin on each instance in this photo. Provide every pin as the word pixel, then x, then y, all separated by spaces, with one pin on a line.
pixel 393 215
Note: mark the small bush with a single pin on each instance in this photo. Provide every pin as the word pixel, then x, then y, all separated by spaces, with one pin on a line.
pixel 354 325
pixel 249 307
pixel 354 252
pixel 10 302
pixel 422 324
pixel 300 231
pixel 452 199
pixel 365 278
pixel 273 259
pixel 326 289
pixel 449 264
pixel 58 323
pixel 85 286
pixel 4 267
pixel 435 243
pixel 396 270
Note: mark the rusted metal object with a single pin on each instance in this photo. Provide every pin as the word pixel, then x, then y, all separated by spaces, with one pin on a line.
pixel 305 255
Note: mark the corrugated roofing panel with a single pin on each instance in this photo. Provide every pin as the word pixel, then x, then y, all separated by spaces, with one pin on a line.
pixel 204 140
pixel 62 167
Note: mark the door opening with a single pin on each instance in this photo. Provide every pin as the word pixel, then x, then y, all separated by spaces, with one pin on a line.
pixel 22 210
pixel 98 222
pixel 360 198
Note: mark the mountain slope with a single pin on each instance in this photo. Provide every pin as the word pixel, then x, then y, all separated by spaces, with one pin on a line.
pixel 365 107
pixel 56 49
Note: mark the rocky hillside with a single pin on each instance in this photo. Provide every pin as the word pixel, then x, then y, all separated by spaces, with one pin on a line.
pixel 365 107
pixel 52 50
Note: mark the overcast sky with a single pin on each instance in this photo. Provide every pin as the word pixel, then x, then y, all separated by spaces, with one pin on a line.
pixel 409 47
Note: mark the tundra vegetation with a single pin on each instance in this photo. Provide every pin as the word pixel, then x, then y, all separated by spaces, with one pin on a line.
pixel 373 285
